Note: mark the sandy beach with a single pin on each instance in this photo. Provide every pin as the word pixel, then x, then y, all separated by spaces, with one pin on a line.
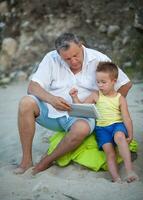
pixel 60 183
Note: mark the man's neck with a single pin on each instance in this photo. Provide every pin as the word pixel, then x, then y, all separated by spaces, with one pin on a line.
pixel 75 71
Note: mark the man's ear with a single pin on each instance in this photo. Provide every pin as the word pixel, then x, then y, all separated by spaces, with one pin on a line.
pixel 80 44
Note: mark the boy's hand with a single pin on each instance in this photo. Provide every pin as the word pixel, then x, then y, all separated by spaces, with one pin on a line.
pixel 129 139
pixel 73 92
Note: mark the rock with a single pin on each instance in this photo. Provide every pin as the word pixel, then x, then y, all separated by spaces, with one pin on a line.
pixel 5 80
pixel 3 8
pixel 97 22
pixel 27 26
pixel 5 62
pixel 88 21
pixel 113 30
pixel 117 42
pixel 9 46
pixel 138 22
pixel 127 64
pixel 125 40
pixel 13 75
pixel 102 28
pixel 21 76
pixel 2 25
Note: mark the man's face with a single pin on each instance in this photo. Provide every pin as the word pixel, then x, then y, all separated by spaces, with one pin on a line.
pixel 73 57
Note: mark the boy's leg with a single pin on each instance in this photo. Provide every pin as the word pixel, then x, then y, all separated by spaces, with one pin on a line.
pixel 111 161
pixel 124 151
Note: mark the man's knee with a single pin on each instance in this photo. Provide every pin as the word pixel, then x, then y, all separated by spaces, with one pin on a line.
pixel 28 104
pixel 80 129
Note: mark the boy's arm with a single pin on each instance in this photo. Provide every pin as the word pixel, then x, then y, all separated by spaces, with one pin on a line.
pixel 126 118
pixel 92 98
pixel 74 95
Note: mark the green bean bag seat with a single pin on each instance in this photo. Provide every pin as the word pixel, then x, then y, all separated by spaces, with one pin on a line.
pixel 87 154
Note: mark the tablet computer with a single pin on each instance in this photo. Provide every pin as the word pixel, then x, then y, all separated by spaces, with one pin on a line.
pixel 84 110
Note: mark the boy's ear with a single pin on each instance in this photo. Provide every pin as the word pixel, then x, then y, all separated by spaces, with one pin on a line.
pixel 114 80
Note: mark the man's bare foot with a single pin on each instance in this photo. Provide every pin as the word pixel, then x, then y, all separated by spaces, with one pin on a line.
pixel 132 176
pixel 21 168
pixel 41 166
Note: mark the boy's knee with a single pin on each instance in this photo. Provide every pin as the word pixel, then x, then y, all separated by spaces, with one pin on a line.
pixel 119 137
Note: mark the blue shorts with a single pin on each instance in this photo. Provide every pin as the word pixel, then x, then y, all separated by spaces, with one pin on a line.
pixel 58 124
pixel 106 134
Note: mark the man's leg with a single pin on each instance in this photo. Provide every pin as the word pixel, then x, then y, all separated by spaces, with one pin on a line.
pixel 28 111
pixel 79 130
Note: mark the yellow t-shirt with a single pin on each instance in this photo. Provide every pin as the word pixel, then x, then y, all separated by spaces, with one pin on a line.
pixel 109 109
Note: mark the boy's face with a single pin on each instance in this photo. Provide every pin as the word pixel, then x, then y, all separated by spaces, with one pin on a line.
pixel 105 82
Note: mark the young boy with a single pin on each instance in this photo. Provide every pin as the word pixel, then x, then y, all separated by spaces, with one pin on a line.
pixel 115 125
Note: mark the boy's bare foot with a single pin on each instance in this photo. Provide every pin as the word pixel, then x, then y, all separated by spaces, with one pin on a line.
pixel 117 180
pixel 132 176
pixel 41 166
pixel 21 169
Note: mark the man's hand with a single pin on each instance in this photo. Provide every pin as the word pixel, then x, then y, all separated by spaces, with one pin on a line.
pixel 60 103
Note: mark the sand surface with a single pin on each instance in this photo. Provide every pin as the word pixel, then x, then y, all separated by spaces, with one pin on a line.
pixel 71 182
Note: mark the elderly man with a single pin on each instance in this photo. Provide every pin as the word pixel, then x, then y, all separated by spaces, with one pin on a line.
pixel 71 64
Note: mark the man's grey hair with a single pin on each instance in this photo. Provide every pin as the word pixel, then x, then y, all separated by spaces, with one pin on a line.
pixel 63 41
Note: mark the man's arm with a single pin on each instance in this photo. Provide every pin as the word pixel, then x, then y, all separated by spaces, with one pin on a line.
pixel 124 89
pixel 57 102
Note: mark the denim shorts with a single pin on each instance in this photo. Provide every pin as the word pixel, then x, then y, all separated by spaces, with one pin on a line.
pixel 106 134
pixel 63 123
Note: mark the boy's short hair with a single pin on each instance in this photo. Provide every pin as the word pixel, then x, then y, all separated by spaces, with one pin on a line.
pixel 108 67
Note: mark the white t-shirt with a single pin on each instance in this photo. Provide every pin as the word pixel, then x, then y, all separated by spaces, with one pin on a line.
pixel 55 76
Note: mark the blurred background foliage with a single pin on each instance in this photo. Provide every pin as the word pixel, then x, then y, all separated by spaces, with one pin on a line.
pixel 112 27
